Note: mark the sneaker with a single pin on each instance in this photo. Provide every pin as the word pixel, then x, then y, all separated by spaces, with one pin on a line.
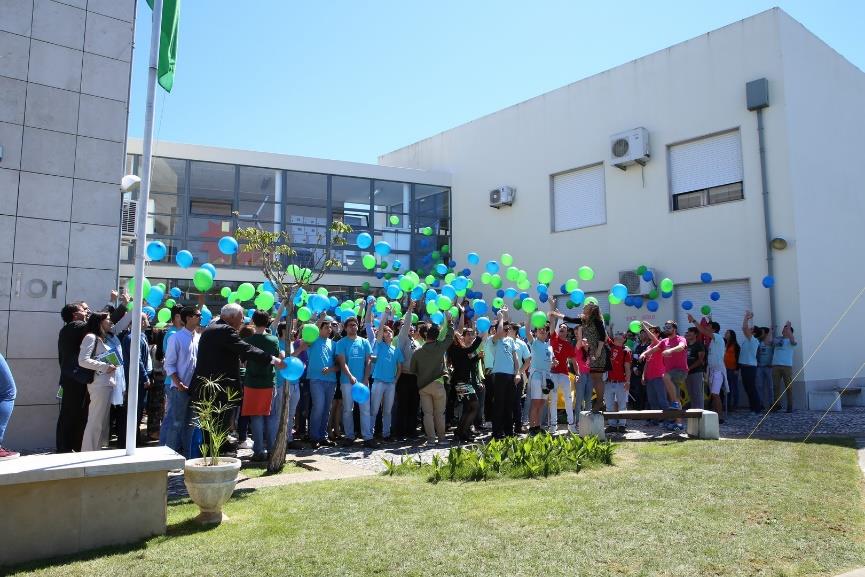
pixel 258 457
pixel 430 443
pixel 247 444
pixel 677 428
pixel 442 442
pixel 621 429
pixel 345 442
pixel 611 429
pixel 7 454
pixel 370 444
pixel 675 406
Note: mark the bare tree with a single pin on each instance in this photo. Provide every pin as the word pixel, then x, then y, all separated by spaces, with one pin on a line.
pixel 274 250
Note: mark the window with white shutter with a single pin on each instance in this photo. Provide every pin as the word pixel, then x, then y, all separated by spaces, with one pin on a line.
pixel 579 198
pixel 706 171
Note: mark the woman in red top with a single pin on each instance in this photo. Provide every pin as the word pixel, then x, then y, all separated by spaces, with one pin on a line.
pixel 731 361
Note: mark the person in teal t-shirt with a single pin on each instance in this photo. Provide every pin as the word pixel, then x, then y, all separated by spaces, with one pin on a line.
pixel 353 357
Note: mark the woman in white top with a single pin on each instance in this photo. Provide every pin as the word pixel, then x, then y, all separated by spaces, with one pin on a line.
pixel 104 379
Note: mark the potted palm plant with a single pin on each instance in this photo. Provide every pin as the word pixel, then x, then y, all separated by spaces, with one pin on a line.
pixel 211 479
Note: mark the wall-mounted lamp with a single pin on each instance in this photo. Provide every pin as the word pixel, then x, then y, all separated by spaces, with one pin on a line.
pixel 778 243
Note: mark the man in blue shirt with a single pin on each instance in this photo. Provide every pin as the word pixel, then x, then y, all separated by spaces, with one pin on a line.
pixel 782 367
pixel 321 372
pixel 353 357
pixel 505 366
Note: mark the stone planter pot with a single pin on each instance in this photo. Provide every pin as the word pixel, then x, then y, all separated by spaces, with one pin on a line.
pixel 210 487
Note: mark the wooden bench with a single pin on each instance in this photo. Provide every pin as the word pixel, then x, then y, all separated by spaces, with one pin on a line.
pixel 701 424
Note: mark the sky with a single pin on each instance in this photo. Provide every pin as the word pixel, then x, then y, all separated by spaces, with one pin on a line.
pixel 353 79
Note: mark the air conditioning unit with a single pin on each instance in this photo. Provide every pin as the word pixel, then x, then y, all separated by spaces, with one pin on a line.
pixel 502 196
pixel 635 283
pixel 630 147
pixel 127 218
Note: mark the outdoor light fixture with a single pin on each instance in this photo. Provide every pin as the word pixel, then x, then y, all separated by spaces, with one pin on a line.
pixel 129 183
pixel 778 243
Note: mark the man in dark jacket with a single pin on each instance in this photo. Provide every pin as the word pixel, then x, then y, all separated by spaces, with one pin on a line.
pixel 73 403
pixel 220 350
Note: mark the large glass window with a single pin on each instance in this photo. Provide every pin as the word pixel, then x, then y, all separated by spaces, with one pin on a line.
pixel 351 198
pixel 211 188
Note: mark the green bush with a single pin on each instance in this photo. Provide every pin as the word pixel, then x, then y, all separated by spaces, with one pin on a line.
pixel 538 456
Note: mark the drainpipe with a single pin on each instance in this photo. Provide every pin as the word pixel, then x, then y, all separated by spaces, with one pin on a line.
pixel 757 96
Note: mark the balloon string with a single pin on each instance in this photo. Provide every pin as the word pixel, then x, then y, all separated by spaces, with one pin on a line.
pixel 826 412
pixel 816 350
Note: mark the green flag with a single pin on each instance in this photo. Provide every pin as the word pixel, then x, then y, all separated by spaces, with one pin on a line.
pixel 168 42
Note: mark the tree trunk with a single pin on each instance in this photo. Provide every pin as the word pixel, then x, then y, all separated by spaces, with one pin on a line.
pixel 276 460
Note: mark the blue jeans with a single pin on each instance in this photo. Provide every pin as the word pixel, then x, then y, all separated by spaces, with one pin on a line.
pixel 348 415
pixel 382 393
pixel 271 422
pixel 256 423
pixel 764 386
pixel 657 394
pixel 6 407
pixel 176 432
pixel 321 393
pixel 584 392
pixel 733 381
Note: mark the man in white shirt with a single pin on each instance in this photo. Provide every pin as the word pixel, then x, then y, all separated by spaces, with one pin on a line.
pixel 715 358
pixel 181 356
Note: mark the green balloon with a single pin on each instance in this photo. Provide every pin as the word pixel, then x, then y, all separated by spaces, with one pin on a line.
pixel 571 285
pixel 322 291
pixel 635 327
pixel 586 273
pixel 607 318
pixel 454 311
pixel 309 333
pixel 245 292
pixel 518 304
pixel 590 301
pixel 512 274
pixel 449 277
pixel 445 249
pixel 394 219
pixel 381 304
pixel 507 259
pixel 539 319
pixel 529 305
pixel 368 262
pixel 164 315
pixel 444 302
pixel 435 255
pixel 365 286
pixel 225 292
pixel 170 303
pixel 396 308
pixel 304 314
pixel 667 285
pixel 264 301
pixel 614 300
pixel 145 285
pixel 427 231
pixel 202 280
pixel 414 319
pixel 429 279
pixel 496 281
pixel 640 270
pixel 431 307
pixel 382 264
pixel 406 284
pixel 486 278
pixel 706 310
pixel 545 275
pixel 653 294
pixel 570 304
pixel 498 302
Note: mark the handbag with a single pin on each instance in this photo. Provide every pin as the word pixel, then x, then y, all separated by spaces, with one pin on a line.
pixel 82 375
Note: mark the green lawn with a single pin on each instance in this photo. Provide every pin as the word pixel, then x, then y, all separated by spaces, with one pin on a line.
pixel 692 509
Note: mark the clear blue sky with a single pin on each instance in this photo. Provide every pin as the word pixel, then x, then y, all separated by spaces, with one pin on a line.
pixel 352 79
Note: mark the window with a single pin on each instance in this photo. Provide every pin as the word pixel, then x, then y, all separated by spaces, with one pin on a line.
pixel 579 198
pixel 706 171
pixel 260 184
pixel 211 188
pixel 305 188
pixel 351 199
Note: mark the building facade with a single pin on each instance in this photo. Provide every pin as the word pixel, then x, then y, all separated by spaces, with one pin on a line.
pixel 697 204
pixel 200 194
pixel 64 90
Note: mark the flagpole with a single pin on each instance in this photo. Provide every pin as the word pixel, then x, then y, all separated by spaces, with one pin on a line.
pixel 141 235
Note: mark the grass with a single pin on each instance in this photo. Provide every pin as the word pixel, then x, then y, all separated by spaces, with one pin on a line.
pixel 253 470
pixel 694 508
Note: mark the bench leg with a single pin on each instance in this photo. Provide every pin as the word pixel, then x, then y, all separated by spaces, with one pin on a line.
pixel 707 427
pixel 592 424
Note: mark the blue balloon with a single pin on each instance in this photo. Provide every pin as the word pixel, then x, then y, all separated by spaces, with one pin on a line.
pixel 562 289
pixel 524 295
pixel 768 281
pixel 184 259
pixel 437 317
pixel 629 301
pixel 379 275
pixel 473 258
pixel 211 268
pixel 416 293
pixel 578 296
pixel 620 291
pixel 688 305
pixel 542 289
pixel 500 293
pixel 299 296
pixel 425 243
pixel 480 307
pixel 452 263
pixel 382 248
pixel 149 311
pixel 268 286
pixel 522 332
pixel 492 267
pixel 364 241
pixel 334 302
pixel 175 292
pixel 460 283
pixel 510 293
pixel 706 278
pixel 467 272
pixel 393 292
pixel 715 296
pixel 638 302
pixel 227 245
pixel 647 276
pixel 397 264
pixel 206 317
pixel 156 250
pixel 431 295
pixel 155 296
pixel 483 324
pixel 442 268
pixel 666 295
pixel 426 260
pixel 293 369
pixel 359 393
pixel 450 292
pixel 543 297
pixel 436 283
pixel 652 306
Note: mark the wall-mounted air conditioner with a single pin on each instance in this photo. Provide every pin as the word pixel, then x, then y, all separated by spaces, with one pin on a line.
pixel 502 196
pixel 629 147
pixel 635 283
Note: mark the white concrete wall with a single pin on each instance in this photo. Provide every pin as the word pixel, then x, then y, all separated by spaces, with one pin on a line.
pixel 64 77
pixel 824 96
pixel 686 91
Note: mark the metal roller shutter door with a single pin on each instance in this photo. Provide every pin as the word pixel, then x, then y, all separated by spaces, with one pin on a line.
pixel 707 162
pixel 578 198
pixel 728 311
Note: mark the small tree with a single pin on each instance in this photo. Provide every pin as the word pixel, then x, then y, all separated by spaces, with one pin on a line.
pixel 275 248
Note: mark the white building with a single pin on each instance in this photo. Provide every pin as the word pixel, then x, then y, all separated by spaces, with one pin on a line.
pixel 574 207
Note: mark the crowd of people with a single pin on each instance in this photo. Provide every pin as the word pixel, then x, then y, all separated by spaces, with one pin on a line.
pixel 424 379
